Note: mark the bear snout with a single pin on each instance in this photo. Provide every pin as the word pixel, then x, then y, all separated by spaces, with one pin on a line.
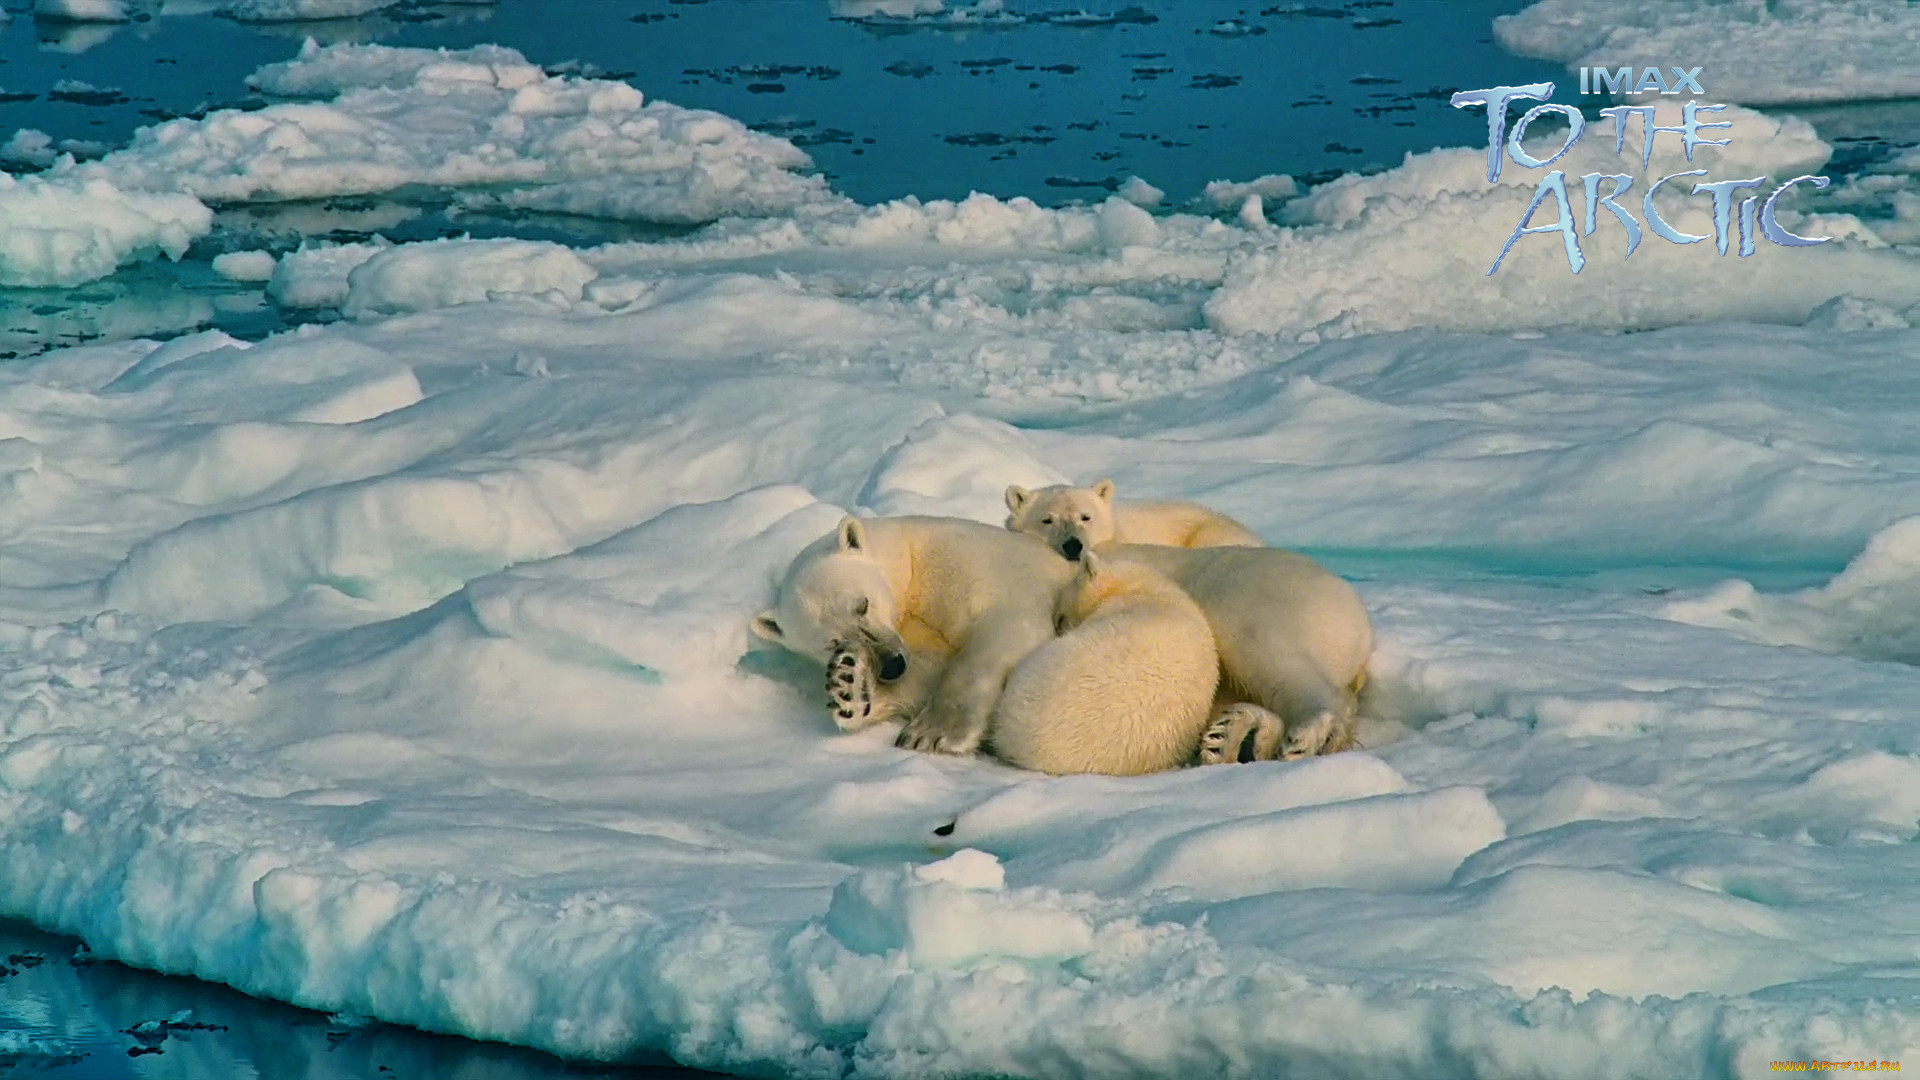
pixel 892 666
pixel 889 653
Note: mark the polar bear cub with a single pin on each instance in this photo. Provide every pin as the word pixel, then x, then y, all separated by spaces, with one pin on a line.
pixel 1126 688
pixel 1071 519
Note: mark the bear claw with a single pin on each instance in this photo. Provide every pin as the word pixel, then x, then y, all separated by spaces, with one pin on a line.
pixel 1242 733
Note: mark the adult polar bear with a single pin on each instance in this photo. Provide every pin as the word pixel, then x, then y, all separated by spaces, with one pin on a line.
pixel 922 619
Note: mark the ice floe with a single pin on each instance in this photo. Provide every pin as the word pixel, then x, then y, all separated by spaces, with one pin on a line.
pixel 398 666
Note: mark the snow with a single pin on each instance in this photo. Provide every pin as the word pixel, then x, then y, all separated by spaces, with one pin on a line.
pixel 442 273
pixel 245 265
pixel 1866 610
pixel 290 10
pixel 960 16
pixel 1253 214
pixel 84 10
pixel 1228 194
pixel 65 227
pixel 1780 53
pixel 1140 193
pixel 482 121
pixel 896 9
pixel 29 148
pixel 316 276
pixel 1362 241
pixel 295 10
pixel 1849 314
pixel 399 666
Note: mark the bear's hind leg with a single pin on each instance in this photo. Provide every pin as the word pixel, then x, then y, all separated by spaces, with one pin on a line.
pixel 1241 733
pixel 1316 734
pixel 1319 714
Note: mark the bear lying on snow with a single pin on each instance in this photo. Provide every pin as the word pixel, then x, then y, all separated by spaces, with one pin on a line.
pixel 1071 519
pixel 924 620
pixel 1127 687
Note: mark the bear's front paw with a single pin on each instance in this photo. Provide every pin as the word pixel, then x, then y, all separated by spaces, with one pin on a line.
pixel 1244 732
pixel 938 732
pixel 849 686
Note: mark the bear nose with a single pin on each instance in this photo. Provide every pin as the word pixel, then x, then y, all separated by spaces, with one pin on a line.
pixel 893 667
pixel 1070 547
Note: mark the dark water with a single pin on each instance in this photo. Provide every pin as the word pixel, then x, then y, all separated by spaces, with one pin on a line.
pixel 65 1015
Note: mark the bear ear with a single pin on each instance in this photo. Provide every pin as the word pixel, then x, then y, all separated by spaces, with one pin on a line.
pixel 1103 491
pixel 1017 497
pixel 853 535
pixel 766 626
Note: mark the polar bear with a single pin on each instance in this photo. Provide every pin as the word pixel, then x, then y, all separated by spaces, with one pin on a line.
pixel 922 619
pixel 1127 688
pixel 1071 519
pixel 919 619
pixel 1294 642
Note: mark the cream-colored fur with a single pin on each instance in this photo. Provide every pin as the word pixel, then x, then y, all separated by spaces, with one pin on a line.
pixel 1071 519
pixel 1294 641
pixel 958 602
pixel 1127 688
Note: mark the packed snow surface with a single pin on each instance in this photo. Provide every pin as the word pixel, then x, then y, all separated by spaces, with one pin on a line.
pixel 1779 52
pixel 399 666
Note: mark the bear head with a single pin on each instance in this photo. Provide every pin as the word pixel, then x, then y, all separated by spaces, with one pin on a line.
pixel 837 595
pixel 1067 519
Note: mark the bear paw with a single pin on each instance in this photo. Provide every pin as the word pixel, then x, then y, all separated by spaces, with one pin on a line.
pixel 941 732
pixel 1321 734
pixel 849 686
pixel 1244 732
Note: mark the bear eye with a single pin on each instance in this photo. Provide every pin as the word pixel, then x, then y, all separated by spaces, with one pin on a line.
pixel 860 607
pixel 1048 520
pixel 1086 517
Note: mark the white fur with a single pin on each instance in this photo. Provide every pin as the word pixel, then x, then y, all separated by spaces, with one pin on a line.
pixel 962 601
pixel 1126 689
pixel 1294 640
pixel 965 603
pixel 1090 515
